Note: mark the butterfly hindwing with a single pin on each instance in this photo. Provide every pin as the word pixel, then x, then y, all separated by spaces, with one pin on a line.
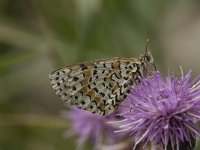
pixel 98 86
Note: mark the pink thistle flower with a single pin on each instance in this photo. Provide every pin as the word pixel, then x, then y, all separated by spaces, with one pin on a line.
pixel 91 127
pixel 163 111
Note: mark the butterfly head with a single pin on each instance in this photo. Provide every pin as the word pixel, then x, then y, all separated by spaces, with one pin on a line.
pixel 148 61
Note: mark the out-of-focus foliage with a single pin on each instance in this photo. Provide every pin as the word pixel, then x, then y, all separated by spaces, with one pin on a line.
pixel 39 36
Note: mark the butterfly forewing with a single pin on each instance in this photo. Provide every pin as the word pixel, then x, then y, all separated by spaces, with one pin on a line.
pixel 98 86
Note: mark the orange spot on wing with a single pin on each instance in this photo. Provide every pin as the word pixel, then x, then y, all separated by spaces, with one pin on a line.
pixel 110 81
pixel 84 82
pixel 115 89
pixel 87 73
pixel 97 99
pixel 115 65
pixel 84 90
pixel 91 94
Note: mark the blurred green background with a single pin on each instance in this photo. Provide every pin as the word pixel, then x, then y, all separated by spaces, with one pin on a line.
pixel 38 36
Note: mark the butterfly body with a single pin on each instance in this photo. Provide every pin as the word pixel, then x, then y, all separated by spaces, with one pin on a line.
pixel 99 86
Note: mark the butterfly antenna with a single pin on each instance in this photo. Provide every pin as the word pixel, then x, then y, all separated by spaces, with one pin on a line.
pixel 147 45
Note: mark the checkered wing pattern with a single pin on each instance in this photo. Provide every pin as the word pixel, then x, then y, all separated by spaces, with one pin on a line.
pixel 97 86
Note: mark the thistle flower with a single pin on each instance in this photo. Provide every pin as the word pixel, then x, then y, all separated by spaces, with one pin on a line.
pixel 91 127
pixel 163 111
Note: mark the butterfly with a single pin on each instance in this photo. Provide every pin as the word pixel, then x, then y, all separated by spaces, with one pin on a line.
pixel 99 86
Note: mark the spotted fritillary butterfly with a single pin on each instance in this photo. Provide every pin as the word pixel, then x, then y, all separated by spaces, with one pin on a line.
pixel 100 85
